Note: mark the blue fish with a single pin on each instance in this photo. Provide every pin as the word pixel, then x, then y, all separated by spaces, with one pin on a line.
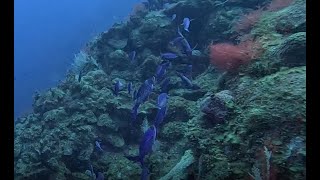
pixel 145 90
pixel 135 94
pixel 168 55
pixel 150 81
pixel 164 85
pixel 141 96
pixel 184 42
pixel 134 113
pixel 117 87
pixel 166 64
pixel 162 100
pixel 147 142
pixel 188 71
pixel 187 82
pixel 187 47
pixel 132 56
pixel 92 172
pixel 160 116
pixel 100 176
pixel 145 146
pixel 98 145
pixel 186 24
pixel 173 17
pixel 184 79
pixel 161 70
pixel 129 87
pixel 176 40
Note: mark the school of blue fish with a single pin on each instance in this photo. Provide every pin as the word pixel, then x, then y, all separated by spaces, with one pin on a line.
pixel 142 94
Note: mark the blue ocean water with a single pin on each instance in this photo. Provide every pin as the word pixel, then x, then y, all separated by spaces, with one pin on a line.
pixel 47 34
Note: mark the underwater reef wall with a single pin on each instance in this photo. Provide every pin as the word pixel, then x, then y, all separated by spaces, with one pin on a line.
pixel 244 122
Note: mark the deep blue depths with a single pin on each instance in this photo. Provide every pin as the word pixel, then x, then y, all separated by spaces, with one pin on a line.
pixel 48 33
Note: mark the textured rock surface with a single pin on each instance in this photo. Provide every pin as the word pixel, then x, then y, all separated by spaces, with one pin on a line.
pixel 267 106
pixel 218 106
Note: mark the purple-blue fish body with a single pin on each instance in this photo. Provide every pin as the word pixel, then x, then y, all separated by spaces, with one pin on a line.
pixel 161 70
pixel 150 81
pixel 117 87
pixel 166 64
pixel 160 116
pixel 134 113
pixel 188 71
pixel 145 90
pixel 187 47
pixel 132 56
pixel 173 17
pixel 146 144
pixel 168 55
pixel 184 42
pixel 129 87
pixel 184 79
pixel 91 170
pixel 176 40
pixel 162 100
pixel 164 85
pixel 135 94
pixel 186 24
pixel 98 145
pixel 141 96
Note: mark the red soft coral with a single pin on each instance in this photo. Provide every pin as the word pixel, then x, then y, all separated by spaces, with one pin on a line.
pixel 229 57
pixel 247 21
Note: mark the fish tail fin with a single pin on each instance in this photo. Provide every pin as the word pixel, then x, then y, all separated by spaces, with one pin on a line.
pixel 194 46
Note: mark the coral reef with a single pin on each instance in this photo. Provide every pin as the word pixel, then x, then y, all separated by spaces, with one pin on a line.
pixel 218 106
pixel 177 172
pixel 217 128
